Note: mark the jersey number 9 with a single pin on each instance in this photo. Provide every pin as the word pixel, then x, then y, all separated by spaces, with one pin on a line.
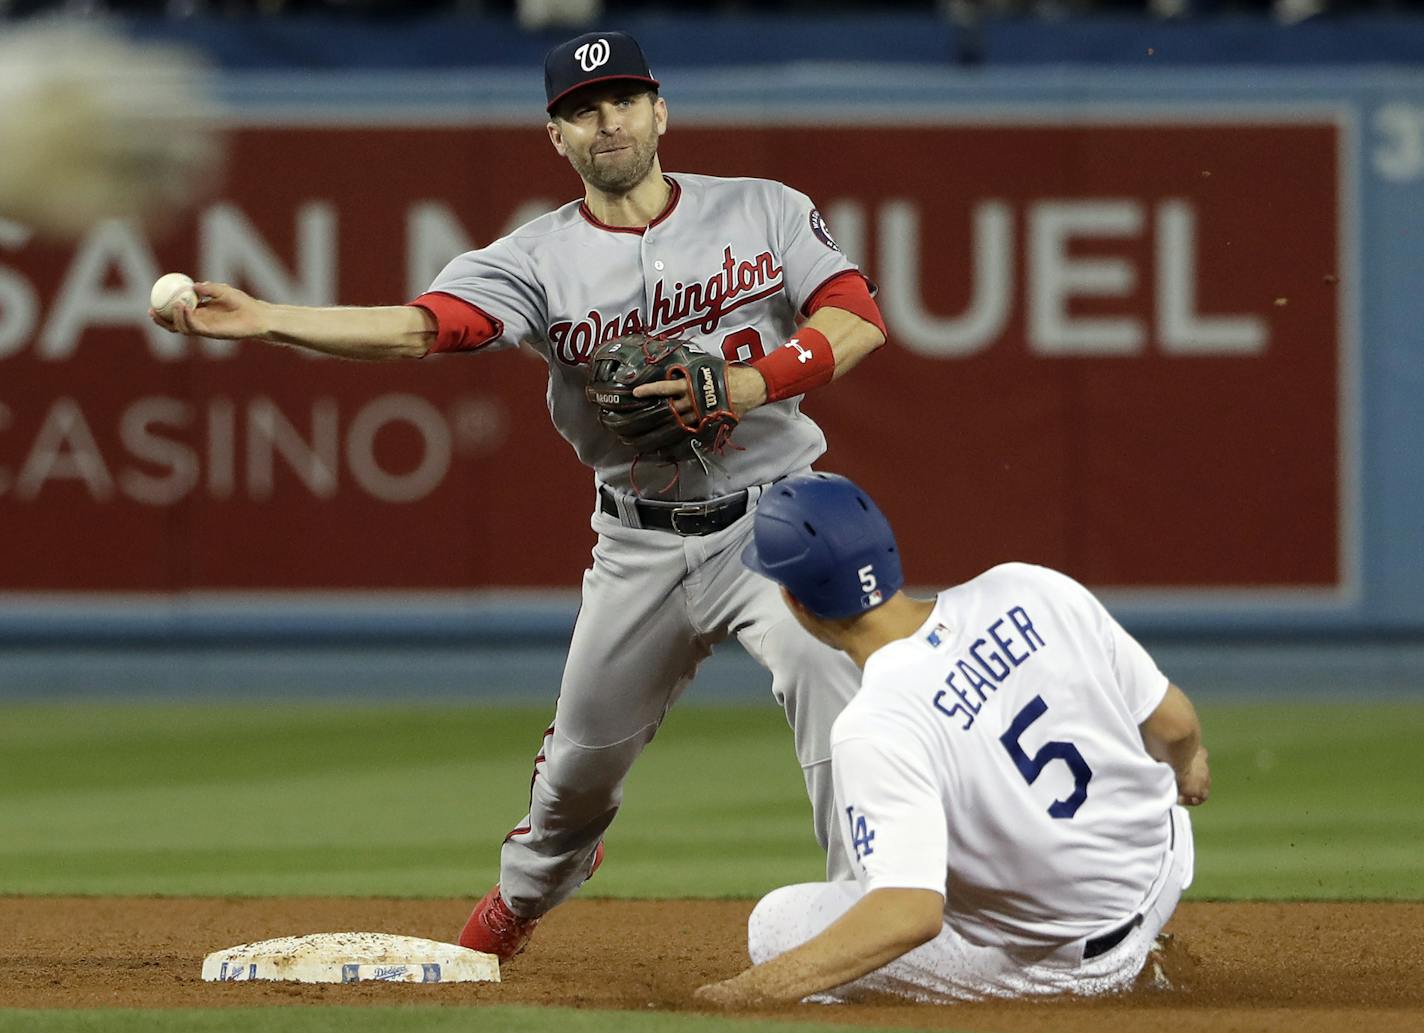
pixel 743 346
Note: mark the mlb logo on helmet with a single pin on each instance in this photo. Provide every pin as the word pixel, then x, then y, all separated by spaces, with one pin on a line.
pixel 823 539
pixel 594 57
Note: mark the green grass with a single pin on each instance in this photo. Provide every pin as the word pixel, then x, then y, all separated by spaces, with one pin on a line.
pixel 331 800
pixel 1313 801
pixel 416 1019
pixel 1310 801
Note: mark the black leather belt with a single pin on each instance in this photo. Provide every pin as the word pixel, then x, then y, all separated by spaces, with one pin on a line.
pixel 689 519
pixel 1106 942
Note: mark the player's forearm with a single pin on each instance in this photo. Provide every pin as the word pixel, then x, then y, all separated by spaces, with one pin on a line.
pixel 1172 734
pixel 884 925
pixel 852 338
pixel 1179 756
pixel 386 332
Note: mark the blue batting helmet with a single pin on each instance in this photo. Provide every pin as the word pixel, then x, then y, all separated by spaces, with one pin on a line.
pixel 826 542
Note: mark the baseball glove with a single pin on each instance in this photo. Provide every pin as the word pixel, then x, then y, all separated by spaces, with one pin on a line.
pixel 651 426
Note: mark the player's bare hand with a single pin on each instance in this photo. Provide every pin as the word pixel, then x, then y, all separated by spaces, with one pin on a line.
pixel 746 389
pixel 676 388
pixel 1194 787
pixel 223 312
pixel 730 993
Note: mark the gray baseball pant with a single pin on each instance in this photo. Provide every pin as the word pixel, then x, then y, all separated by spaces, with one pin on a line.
pixel 654 606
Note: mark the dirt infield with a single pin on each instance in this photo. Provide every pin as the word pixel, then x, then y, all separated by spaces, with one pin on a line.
pixel 1290 967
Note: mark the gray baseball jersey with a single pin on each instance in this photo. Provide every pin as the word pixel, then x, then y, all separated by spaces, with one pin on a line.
pixel 727 266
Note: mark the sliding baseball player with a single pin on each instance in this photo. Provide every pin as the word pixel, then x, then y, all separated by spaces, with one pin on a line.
pixel 1009 778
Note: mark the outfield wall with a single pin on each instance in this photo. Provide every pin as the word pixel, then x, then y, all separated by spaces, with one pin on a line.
pixel 1159 330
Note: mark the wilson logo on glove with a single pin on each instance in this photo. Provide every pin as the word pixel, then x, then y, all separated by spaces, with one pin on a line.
pixel 710 399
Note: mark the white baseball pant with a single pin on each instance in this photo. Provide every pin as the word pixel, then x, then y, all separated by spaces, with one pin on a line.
pixel 950 968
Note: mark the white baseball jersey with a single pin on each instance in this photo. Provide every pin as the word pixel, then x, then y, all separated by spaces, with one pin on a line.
pixel 994 756
pixel 727 266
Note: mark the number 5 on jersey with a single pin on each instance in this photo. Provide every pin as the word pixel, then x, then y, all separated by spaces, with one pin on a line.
pixel 1032 767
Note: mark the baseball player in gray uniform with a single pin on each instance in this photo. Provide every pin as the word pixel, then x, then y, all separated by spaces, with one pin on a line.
pixel 1012 778
pixel 742 268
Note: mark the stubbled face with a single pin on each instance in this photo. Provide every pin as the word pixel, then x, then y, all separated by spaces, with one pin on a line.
pixel 610 134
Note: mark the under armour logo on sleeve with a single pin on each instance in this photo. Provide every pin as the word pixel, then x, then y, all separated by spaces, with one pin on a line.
pixel 802 355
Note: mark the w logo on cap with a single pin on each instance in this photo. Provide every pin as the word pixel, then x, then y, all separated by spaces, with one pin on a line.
pixel 592 55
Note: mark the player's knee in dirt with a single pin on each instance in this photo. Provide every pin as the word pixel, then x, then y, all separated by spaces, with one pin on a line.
pixel 789 916
pixel 774 923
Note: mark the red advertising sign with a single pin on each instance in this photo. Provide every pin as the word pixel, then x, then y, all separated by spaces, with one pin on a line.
pixel 1116 348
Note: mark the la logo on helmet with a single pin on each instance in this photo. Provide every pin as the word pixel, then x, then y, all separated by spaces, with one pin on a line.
pixel 592 55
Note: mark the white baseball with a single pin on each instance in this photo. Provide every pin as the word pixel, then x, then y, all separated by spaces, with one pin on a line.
pixel 172 289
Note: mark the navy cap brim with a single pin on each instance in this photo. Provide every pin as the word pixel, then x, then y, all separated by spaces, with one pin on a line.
pixel 644 79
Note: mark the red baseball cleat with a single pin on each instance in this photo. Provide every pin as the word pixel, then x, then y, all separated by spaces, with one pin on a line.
pixel 494 929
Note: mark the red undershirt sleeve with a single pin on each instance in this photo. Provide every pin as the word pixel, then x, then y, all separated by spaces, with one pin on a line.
pixel 460 325
pixel 849 291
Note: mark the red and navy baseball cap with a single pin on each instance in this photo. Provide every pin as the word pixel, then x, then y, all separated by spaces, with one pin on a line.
pixel 594 57
pixel 823 538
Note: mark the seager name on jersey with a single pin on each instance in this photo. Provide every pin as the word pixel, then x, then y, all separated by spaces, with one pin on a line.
pixel 990 659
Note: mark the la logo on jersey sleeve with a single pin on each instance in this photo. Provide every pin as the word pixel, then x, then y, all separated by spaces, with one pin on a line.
pixel 862 836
